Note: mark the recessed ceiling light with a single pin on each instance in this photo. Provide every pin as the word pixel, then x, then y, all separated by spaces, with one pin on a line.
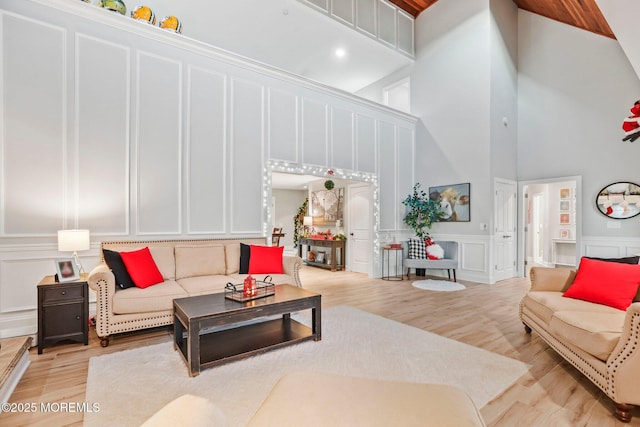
pixel 340 52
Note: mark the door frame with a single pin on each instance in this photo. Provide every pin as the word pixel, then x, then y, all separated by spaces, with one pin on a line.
pixel 522 212
pixel 355 177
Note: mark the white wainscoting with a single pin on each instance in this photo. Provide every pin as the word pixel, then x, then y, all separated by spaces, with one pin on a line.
pixel 609 247
pixel 473 253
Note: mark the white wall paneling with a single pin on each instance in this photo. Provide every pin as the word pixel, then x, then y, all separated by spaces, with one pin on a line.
pixel 367 16
pixel 366 144
pixel 388 176
pixel 34 90
pixel 610 247
pixel 405 33
pixel 343 10
pixel 322 4
pixel 406 178
pixel 342 139
pixel 102 141
pixel 387 23
pixel 206 172
pixel 283 125
pixel 314 132
pixel 246 156
pixel 378 19
pixel 158 143
pixel 137 133
pixel 473 256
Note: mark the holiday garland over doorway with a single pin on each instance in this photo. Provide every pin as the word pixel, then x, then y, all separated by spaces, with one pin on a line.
pixel 298 221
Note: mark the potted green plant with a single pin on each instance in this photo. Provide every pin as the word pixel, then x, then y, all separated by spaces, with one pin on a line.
pixel 422 212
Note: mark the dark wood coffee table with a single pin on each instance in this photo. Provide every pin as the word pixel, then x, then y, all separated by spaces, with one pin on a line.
pixel 210 330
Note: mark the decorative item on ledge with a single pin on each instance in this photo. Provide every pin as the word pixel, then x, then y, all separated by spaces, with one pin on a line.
pixel 144 14
pixel 264 288
pixel 329 184
pixel 171 23
pixel 114 5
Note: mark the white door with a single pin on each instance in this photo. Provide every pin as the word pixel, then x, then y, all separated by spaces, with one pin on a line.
pixel 505 249
pixel 359 238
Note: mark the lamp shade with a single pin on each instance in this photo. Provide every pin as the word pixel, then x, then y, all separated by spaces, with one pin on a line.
pixel 308 220
pixel 73 240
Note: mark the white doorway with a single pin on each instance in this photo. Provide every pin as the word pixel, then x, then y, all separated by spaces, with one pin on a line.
pixel 359 228
pixel 505 219
pixel 549 223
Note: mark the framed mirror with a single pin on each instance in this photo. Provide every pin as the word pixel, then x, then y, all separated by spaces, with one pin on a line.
pixel 620 200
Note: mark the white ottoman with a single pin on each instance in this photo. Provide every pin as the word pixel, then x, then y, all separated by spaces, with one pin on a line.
pixel 315 399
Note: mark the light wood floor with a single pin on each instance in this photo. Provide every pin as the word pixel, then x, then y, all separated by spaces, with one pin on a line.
pixel 552 393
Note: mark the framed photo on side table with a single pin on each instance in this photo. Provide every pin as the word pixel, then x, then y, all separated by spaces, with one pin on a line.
pixel 67 270
pixel 320 257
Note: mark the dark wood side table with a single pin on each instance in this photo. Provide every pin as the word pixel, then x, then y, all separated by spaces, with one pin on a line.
pixel 334 260
pixel 63 311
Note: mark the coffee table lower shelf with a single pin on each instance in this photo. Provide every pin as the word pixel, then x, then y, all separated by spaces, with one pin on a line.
pixel 219 347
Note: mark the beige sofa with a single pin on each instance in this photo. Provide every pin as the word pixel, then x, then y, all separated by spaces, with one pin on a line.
pixel 189 267
pixel 600 341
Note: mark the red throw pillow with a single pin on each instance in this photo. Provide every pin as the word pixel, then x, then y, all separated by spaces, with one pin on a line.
pixel 142 268
pixel 266 260
pixel 607 283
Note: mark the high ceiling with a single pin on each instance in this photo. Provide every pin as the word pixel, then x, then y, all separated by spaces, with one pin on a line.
pixel 583 14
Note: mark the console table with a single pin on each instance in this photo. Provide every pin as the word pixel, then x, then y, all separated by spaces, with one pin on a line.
pixel 334 253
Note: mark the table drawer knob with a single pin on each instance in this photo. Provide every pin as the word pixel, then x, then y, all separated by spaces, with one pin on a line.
pixel 77 317
pixel 64 292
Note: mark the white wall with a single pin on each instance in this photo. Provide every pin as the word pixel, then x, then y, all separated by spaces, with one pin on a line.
pixel 574 90
pixel 463 83
pixel 503 40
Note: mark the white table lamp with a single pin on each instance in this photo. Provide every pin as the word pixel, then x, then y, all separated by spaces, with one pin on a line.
pixel 74 241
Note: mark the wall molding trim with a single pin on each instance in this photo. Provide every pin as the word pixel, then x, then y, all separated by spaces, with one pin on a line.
pixel 118 21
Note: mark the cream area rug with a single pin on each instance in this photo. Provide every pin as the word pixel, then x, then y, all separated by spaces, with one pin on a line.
pixel 131 385
pixel 438 285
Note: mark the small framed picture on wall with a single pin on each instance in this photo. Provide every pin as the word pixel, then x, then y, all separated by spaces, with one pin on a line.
pixel 564 233
pixel 565 205
pixel 565 218
pixel 565 193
